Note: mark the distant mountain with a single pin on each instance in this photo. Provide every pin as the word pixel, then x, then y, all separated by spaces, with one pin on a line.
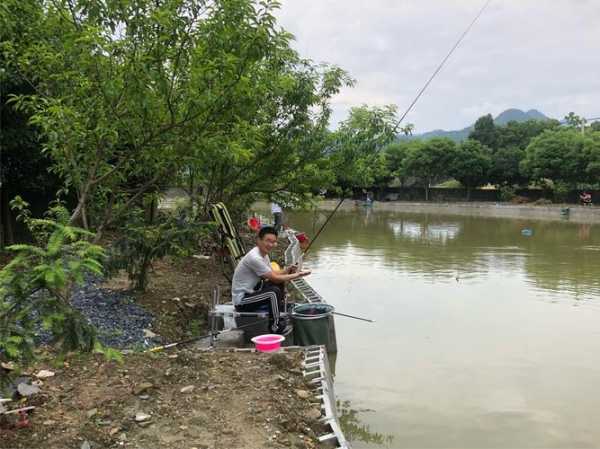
pixel 457 136
pixel 502 119
pixel 516 115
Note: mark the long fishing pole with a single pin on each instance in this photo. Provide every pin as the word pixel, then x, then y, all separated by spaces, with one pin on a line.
pixel 437 70
pixel 215 333
pixel 323 226
pixel 354 317
pixel 193 339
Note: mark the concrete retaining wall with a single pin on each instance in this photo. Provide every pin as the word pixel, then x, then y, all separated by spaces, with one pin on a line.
pixel 578 214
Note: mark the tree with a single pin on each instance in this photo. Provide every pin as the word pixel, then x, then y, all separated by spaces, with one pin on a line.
pixel 519 134
pixel 24 168
pixel 485 131
pixel 131 96
pixel 559 155
pixel 505 167
pixel 575 121
pixel 592 152
pixel 429 160
pixel 508 145
pixel 470 165
pixel 395 154
pixel 280 143
pixel 357 148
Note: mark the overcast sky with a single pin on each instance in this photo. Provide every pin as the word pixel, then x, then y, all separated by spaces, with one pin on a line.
pixel 541 54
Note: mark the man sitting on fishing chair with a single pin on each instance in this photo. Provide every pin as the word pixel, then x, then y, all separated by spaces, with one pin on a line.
pixel 255 283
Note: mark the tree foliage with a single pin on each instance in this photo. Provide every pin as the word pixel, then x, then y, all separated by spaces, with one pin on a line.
pixel 131 96
pixel 505 167
pixel 358 146
pixel 430 160
pixel 23 166
pixel 563 155
pixel 471 164
pixel 507 146
pixel 395 155
pixel 573 120
pixel 485 132
pixel 358 143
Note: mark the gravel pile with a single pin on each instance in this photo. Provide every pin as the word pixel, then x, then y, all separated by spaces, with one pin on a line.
pixel 119 321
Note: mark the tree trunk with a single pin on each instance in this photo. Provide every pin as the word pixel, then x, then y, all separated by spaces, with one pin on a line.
pixel 6 233
pixel 468 194
pixel 81 200
pixel 2 220
pixel 106 219
pixel 84 219
pixel 151 211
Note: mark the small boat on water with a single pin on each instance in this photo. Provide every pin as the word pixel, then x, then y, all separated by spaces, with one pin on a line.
pixel 364 203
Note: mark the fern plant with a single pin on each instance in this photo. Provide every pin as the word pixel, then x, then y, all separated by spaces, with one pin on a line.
pixel 36 286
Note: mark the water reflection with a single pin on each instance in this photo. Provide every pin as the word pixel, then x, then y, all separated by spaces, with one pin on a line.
pixel 558 256
pixel 415 231
pixel 355 430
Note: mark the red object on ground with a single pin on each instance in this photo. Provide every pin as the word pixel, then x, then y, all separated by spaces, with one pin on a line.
pixel 254 223
pixel 23 420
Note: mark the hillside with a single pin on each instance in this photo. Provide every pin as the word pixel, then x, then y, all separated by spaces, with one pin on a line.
pixel 501 119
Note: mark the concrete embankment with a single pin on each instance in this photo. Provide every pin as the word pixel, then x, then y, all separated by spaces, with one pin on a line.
pixel 576 214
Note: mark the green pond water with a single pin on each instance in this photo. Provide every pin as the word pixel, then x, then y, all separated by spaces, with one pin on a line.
pixel 484 337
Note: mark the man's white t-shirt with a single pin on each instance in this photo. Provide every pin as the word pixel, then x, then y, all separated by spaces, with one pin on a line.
pixel 247 274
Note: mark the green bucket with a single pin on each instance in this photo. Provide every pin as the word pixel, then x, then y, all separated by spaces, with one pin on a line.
pixel 313 325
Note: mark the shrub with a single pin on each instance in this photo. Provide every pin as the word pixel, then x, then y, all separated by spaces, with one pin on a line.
pixel 560 191
pixel 142 243
pixel 507 193
pixel 36 286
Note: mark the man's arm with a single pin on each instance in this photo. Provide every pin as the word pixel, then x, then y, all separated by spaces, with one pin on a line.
pixel 280 277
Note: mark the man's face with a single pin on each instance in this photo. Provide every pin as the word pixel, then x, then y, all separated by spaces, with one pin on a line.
pixel 267 243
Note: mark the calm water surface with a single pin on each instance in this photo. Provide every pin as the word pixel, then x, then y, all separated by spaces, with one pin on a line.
pixel 484 337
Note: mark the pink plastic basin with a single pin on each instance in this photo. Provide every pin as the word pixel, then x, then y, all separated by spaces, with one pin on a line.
pixel 268 342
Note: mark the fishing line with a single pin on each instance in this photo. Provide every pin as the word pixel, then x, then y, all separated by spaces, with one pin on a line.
pixel 324 224
pixel 462 36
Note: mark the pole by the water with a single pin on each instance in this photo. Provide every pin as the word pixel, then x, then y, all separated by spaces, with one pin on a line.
pixel 324 224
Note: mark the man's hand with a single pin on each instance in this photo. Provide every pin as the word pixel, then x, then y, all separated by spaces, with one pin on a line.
pixel 291 269
pixel 284 275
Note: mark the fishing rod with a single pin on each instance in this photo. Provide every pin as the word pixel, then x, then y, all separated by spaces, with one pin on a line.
pixel 354 317
pixel 421 91
pixel 212 334
pixel 437 70
pixel 324 224
pixel 216 333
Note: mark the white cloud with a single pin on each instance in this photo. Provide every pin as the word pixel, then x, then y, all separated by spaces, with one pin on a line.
pixel 522 53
